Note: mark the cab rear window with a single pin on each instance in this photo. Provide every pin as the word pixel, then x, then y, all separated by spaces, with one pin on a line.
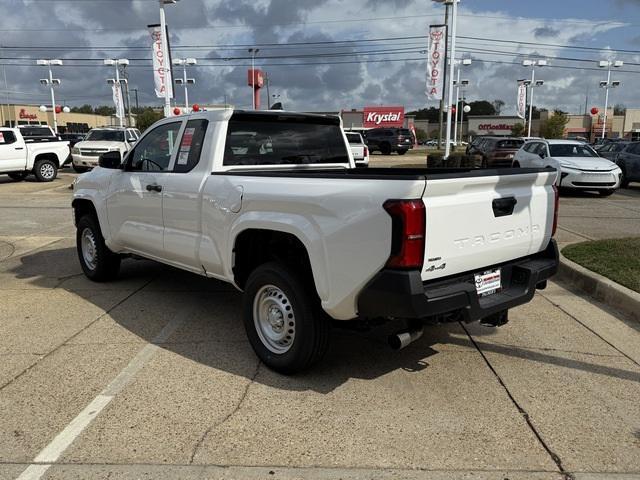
pixel 255 139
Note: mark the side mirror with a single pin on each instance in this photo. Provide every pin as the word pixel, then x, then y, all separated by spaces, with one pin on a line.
pixel 111 159
pixel 542 155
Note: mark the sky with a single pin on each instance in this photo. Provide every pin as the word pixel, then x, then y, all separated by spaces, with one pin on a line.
pixel 323 55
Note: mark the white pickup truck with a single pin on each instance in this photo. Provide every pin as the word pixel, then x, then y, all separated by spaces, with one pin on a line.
pixel 19 158
pixel 272 203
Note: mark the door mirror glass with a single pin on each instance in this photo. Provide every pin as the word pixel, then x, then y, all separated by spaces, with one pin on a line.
pixel 111 159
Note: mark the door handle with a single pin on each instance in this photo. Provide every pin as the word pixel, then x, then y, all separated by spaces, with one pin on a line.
pixel 19 148
pixel 154 187
pixel 503 206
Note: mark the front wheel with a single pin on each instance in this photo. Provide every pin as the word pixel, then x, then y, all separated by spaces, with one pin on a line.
pixel 282 319
pixel 98 262
pixel 606 193
pixel 45 170
pixel 18 176
pixel 401 152
pixel 385 149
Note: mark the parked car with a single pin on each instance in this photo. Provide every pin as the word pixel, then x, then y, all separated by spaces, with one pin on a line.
pixel 474 147
pixel 72 138
pixel 629 162
pixel 499 151
pixel 358 148
pixel 19 158
pixel 388 140
pixel 270 202
pixel 611 150
pixel 100 140
pixel 580 167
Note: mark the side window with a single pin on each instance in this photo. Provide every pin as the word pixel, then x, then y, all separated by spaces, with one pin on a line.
pixel 191 146
pixel 153 153
pixel 7 137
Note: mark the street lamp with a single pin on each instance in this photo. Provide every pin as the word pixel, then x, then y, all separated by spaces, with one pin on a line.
pixel 253 52
pixel 457 83
pixel 533 83
pixel 51 82
pixel 184 80
pixel 117 81
pixel 607 85
pixel 452 55
pixel 165 54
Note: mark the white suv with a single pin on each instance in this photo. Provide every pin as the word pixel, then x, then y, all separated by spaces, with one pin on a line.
pixel 100 140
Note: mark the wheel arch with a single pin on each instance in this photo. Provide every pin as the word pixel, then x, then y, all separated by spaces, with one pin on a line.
pixel 47 156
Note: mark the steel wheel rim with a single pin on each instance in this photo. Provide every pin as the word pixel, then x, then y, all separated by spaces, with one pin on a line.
pixel 47 171
pixel 89 248
pixel 274 319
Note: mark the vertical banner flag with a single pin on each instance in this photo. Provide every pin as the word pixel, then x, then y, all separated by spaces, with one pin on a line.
pixel 435 62
pixel 522 100
pixel 161 66
pixel 117 100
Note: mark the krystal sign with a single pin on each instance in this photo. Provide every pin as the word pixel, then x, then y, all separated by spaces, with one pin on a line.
pixel 383 117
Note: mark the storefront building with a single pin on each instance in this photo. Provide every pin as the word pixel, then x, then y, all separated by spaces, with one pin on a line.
pixel 13 115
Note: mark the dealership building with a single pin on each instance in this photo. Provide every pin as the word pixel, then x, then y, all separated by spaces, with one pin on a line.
pixel 13 115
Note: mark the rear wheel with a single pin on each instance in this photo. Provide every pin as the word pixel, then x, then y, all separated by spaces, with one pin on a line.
pixel 284 323
pixel 401 152
pixel 18 176
pixel 606 193
pixel 45 170
pixel 98 262
pixel 385 149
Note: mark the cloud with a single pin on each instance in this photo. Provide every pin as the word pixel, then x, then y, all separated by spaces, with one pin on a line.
pixel 212 27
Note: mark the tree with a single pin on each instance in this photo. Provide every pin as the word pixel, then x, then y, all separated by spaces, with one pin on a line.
pixel 104 110
pixel 86 108
pixel 482 107
pixel 497 105
pixel 619 109
pixel 554 126
pixel 147 117
pixel 517 130
pixel 432 114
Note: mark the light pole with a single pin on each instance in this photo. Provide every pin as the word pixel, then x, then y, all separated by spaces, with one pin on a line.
pixel 533 83
pixel 117 82
pixel 456 82
pixel 165 55
pixel 253 52
pixel 465 109
pixel 51 82
pixel 607 85
pixel 184 80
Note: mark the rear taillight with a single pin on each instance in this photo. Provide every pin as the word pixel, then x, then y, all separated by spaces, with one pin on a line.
pixel 366 152
pixel 408 233
pixel 556 204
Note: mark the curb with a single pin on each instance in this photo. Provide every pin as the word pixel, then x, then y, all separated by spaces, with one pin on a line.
pixel 601 288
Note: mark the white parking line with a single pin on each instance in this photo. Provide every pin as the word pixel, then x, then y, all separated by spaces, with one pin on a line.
pixel 52 452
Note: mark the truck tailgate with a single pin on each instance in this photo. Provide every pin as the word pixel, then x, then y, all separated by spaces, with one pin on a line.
pixel 475 222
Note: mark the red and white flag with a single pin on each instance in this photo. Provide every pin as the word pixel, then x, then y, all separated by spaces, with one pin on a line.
pixel 435 63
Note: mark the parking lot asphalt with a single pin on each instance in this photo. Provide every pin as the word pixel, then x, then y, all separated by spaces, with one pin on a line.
pixel 151 376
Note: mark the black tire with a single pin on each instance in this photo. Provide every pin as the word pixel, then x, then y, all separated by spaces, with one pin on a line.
pixel 45 170
pixel 78 169
pixel 304 329
pixel 401 152
pixel 515 164
pixel 624 181
pixel 106 264
pixel 385 149
pixel 18 176
pixel 606 193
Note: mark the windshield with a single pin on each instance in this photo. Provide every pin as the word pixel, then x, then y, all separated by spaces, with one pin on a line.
pixel 571 150
pixel 105 136
pixel 354 138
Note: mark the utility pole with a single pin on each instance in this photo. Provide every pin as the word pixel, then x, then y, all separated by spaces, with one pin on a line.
pixel 444 76
pixel 607 85
pixel 532 84
pixel 127 96
pixel 454 22
pixel 266 79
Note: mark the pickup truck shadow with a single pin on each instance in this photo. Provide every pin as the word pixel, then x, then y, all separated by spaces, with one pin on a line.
pixel 148 295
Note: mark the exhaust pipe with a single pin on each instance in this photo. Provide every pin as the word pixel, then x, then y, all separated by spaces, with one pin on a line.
pixel 403 338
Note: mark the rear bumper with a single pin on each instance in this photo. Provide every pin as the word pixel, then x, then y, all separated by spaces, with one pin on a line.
pixel 402 294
